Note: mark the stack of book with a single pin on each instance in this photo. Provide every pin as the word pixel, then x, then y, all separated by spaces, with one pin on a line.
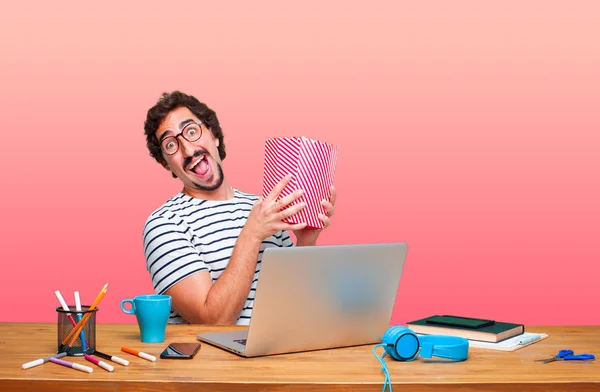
pixel 468 328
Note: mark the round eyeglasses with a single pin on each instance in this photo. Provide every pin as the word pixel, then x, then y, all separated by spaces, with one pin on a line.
pixel 191 132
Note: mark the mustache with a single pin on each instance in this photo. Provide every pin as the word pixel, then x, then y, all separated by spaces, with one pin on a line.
pixel 188 160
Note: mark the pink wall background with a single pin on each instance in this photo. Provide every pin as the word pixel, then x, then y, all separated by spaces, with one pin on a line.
pixel 471 131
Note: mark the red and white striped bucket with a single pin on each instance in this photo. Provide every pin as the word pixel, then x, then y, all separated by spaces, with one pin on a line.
pixel 312 165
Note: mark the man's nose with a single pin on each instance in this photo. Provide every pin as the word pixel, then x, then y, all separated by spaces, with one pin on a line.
pixel 187 148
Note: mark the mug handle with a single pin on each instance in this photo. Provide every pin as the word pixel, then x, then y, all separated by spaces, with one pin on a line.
pixel 132 310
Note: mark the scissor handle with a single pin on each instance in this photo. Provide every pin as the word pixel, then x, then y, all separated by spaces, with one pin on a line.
pixel 564 353
pixel 580 357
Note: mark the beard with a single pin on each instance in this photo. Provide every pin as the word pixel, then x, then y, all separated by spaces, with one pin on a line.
pixel 219 172
pixel 218 182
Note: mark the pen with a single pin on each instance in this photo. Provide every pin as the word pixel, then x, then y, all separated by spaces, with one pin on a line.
pixel 72 365
pixel 102 364
pixel 41 361
pixel 121 361
pixel 139 354
pixel 529 339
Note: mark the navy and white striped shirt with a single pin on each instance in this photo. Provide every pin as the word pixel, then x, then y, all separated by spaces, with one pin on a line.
pixel 187 235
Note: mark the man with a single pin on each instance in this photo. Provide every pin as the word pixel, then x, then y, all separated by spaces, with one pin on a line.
pixel 203 247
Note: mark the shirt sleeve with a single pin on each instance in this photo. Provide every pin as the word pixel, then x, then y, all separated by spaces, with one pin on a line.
pixel 169 252
pixel 285 241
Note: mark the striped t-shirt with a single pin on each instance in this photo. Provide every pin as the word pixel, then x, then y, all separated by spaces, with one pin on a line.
pixel 187 235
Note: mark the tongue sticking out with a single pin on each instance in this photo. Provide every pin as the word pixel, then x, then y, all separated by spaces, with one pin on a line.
pixel 202 167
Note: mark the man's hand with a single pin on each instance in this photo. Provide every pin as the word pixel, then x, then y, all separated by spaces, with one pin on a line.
pixel 267 216
pixel 308 235
pixel 198 300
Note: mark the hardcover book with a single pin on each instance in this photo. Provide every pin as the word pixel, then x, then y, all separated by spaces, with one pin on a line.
pixel 496 332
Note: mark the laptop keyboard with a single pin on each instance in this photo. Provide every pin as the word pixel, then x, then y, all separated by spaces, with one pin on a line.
pixel 240 341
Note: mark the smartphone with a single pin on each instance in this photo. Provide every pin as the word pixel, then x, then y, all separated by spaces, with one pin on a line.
pixel 463 322
pixel 180 351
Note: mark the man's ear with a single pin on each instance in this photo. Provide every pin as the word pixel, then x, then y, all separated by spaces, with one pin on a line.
pixel 166 166
pixel 214 137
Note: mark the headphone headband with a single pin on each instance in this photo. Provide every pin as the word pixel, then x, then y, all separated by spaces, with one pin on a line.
pixel 449 347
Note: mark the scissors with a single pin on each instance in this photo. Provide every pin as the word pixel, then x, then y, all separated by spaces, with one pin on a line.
pixel 568 355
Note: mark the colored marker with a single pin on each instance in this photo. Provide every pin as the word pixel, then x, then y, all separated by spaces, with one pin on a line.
pixel 64 306
pixel 102 364
pixel 40 361
pixel 118 360
pixel 78 308
pixel 139 354
pixel 72 365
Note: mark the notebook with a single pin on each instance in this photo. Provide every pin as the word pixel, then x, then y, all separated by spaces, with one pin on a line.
pixel 511 344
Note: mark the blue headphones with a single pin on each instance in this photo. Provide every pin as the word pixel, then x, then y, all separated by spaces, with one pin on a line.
pixel 403 344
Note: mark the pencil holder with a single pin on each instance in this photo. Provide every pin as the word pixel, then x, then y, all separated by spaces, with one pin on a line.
pixel 85 342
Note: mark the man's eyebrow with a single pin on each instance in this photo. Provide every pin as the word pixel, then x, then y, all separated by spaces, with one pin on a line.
pixel 185 122
pixel 164 135
pixel 181 125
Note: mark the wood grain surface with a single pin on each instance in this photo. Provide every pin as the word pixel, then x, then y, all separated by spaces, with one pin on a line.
pixel 347 369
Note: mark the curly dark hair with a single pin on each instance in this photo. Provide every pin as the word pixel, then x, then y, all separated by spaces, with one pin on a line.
pixel 168 102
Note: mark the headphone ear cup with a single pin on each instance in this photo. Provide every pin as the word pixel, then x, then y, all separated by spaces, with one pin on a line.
pixel 401 343
pixel 389 339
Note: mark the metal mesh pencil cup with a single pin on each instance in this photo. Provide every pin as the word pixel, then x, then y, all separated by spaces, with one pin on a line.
pixel 65 326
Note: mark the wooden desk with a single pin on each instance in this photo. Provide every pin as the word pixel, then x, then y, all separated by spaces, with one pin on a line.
pixel 353 368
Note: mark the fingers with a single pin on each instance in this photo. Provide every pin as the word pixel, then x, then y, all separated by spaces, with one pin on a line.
pixel 284 201
pixel 295 227
pixel 325 219
pixel 284 214
pixel 332 195
pixel 274 194
pixel 329 209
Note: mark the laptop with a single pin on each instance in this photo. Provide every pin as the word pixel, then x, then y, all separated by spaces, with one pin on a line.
pixel 318 297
